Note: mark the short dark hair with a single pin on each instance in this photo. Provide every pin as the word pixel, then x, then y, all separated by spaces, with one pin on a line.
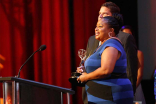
pixel 115 21
pixel 112 6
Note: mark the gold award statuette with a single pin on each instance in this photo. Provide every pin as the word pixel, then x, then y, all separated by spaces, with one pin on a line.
pixel 75 75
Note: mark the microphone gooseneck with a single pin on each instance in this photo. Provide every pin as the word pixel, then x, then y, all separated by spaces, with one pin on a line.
pixel 42 47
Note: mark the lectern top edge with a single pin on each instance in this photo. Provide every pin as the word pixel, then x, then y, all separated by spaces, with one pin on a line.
pixel 38 84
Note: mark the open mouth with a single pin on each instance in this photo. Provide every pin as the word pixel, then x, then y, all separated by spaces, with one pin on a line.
pixel 97 33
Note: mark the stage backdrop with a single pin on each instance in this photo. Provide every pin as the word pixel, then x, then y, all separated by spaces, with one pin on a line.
pixel 64 26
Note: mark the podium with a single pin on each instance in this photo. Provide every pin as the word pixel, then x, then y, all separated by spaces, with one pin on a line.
pixel 23 91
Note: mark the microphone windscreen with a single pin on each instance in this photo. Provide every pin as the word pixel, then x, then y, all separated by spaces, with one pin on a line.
pixel 42 47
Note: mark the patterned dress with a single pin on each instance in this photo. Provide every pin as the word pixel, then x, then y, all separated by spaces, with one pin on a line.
pixel 113 89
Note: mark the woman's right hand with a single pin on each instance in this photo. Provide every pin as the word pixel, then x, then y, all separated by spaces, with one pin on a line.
pixel 80 69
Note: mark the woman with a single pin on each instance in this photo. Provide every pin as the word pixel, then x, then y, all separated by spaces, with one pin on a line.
pixel 105 76
pixel 139 96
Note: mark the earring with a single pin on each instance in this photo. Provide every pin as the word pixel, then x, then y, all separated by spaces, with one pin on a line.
pixel 109 34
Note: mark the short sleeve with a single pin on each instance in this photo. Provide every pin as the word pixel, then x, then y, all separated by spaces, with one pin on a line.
pixel 111 43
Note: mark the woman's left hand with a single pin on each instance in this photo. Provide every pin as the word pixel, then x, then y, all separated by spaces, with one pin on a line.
pixel 82 78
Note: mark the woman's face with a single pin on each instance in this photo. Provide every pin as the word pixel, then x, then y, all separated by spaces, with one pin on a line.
pixel 102 30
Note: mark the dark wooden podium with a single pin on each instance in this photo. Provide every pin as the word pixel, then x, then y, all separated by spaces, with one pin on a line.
pixel 23 91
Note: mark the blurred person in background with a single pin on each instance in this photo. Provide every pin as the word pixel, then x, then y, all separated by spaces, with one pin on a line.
pixel 139 96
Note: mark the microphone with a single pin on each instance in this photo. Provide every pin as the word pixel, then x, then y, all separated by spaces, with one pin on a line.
pixel 42 47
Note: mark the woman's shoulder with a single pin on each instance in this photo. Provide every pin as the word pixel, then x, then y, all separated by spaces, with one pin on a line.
pixel 114 40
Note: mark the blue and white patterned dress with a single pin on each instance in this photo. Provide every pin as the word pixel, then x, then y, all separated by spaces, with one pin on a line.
pixel 113 89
